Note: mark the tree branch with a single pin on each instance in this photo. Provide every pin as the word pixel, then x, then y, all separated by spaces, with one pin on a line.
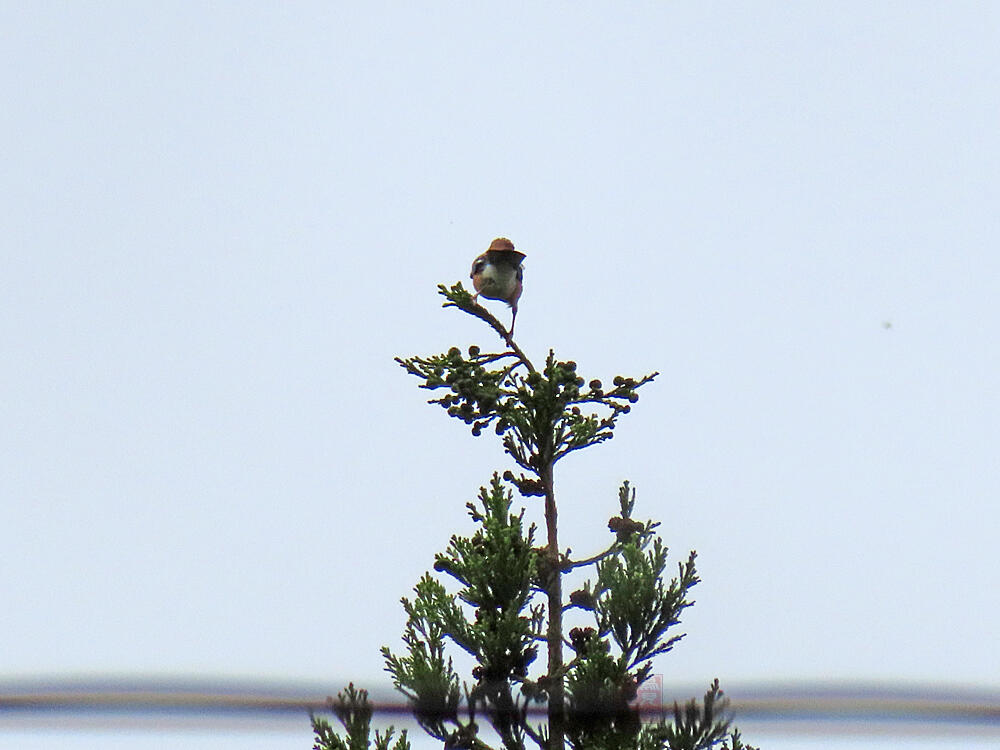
pixel 457 296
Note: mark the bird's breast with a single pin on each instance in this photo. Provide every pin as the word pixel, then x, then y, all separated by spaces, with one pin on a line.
pixel 495 281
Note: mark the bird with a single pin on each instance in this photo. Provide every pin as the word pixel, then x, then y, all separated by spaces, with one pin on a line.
pixel 497 274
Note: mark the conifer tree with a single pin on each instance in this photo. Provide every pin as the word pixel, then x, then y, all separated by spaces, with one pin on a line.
pixel 505 605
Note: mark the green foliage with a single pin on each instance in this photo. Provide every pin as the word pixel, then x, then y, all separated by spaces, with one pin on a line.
pixel 540 416
pixel 633 606
pixel 425 675
pixel 600 690
pixel 498 597
pixel 632 611
pixel 735 742
pixel 354 712
pixel 694 727
pixel 494 618
pixel 494 568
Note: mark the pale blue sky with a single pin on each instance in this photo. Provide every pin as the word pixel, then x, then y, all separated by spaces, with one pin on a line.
pixel 222 221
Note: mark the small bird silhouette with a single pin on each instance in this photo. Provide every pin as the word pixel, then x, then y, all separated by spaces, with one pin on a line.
pixel 497 274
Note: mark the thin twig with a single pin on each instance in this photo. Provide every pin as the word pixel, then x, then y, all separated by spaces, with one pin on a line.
pixel 613 549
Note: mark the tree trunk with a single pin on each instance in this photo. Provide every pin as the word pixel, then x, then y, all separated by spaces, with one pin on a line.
pixel 557 694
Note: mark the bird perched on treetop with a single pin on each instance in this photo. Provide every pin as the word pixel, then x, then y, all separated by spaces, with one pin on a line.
pixel 497 274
